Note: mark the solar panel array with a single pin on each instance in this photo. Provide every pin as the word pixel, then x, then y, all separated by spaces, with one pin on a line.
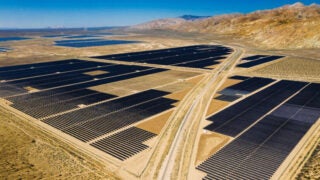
pixel 200 56
pixel 58 94
pixel 259 151
pixel 241 115
pixel 132 139
pixel 89 123
pixel 257 60
pixel 4 39
pixel 247 86
pixel 63 87
pixel 68 75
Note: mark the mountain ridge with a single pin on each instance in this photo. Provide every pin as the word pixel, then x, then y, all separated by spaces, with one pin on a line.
pixel 290 26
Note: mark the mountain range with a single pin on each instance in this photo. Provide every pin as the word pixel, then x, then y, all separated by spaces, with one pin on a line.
pixel 291 26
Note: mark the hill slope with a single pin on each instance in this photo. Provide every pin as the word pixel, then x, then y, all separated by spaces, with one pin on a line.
pixel 291 26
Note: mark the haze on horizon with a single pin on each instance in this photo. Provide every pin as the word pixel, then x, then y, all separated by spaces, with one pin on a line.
pixel 98 13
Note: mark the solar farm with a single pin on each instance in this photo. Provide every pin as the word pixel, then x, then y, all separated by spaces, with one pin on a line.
pixel 128 109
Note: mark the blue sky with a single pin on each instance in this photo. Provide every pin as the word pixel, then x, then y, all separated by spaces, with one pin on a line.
pixel 94 13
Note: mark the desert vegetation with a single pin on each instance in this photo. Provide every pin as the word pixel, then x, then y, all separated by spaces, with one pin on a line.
pixel 27 153
pixel 291 68
pixel 311 170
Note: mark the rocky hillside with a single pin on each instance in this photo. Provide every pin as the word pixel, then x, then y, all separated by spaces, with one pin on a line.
pixel 291 26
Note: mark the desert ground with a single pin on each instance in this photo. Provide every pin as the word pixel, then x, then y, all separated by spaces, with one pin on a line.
pixel 28 152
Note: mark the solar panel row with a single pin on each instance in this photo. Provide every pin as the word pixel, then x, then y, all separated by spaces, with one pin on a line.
pixel 253 63
pixel 89 123
pixel 32 102
pixel 247 86
pixel 37 65
pixel 192 56
pixel 4 39
pixel 241 115
pixel 40 71
pixel 259 151
pixel 133 139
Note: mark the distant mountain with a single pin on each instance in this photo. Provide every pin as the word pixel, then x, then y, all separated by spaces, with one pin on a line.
pixel 164 23
pixel 290 26
pixel 192 17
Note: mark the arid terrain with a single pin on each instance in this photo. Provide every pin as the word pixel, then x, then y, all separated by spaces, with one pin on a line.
pixel 180 142
pixel 292 26
pixel 28 153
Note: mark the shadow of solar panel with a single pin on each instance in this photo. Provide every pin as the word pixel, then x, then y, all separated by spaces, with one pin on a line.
pixel 260 61
pixel 124 144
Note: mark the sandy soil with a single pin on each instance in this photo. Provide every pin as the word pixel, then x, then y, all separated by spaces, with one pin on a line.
pixel 209 144
pixel 95 73
pixel 143 83
pixel 27 153
pixel 311 170
pixel 229 82
pixel 290 68
pixel 216 105
pixel 155 124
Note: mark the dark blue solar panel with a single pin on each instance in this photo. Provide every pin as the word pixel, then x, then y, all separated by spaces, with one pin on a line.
pixel 238 117
pixel 193 56
pixel 260 61
pixel 3 39
pixel 260 150
pixel 251 84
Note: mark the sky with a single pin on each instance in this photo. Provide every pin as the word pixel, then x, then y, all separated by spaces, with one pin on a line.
pixel 98 13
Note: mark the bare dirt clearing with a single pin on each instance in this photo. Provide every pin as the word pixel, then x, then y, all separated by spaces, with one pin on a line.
pixel 209 144
pixel 27 153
